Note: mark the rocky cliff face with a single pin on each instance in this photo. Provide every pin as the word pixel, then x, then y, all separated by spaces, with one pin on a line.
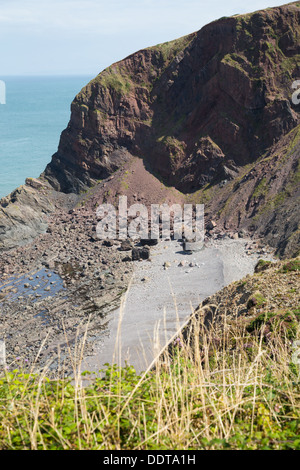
pixel 24 213
pixel 196 109
pixel 210 114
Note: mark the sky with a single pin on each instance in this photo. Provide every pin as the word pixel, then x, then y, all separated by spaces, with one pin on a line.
pixel 82 37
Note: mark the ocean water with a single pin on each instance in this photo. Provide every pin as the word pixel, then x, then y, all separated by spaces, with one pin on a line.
pixel 37 110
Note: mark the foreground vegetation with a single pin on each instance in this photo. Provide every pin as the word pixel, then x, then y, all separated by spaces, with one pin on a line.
pixel 238 393
pixel 228 381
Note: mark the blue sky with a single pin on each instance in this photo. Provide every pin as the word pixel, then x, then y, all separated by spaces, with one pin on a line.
pixel 82 37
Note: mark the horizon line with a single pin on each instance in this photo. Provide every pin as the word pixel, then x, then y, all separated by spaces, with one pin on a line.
pixel 49 75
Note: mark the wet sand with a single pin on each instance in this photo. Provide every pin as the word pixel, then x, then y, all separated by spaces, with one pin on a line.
pixel 160 299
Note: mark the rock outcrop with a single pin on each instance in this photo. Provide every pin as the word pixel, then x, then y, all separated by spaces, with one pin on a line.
pixel 24 213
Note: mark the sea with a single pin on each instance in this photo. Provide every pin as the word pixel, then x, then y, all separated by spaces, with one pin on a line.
pixel 36 111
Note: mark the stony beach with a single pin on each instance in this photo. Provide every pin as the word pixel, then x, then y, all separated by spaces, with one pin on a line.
pixel 162 295
pixel 65 288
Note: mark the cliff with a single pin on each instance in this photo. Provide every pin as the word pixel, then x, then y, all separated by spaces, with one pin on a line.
pixel 210 114
pixel 196 109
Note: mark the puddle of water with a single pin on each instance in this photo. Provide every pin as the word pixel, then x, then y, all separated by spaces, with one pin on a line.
pixel 40 284
pixel 44 316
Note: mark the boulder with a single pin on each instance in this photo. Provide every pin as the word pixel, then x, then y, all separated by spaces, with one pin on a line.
pixel 193 246
pixel 149 242
pixel 211 225
pixel 140 253
pixel 108 243
pixel 126 245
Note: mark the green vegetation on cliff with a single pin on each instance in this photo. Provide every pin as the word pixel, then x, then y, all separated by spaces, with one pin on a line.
pixel 120 78
pixel 170 49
